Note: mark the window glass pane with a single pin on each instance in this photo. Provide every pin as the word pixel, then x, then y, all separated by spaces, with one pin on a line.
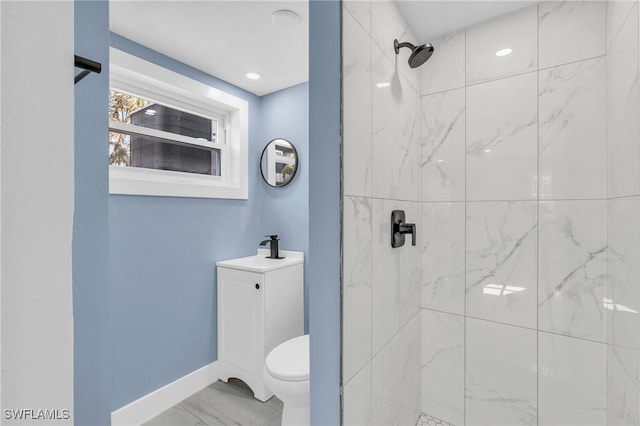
pixel 151 153
pixel 130 109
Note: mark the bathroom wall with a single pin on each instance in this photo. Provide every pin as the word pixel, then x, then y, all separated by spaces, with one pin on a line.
pixel 285 114
pixel 514 219
pixel 162 266
pixel 163 249
pixel 37 151
pixel 623 291
pixel 91 294
pixel 381 285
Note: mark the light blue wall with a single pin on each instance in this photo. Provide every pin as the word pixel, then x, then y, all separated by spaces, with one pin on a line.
pixel 162 264
pixel 91 311
pixel 164 249
pixel 324 209
pixel 285 114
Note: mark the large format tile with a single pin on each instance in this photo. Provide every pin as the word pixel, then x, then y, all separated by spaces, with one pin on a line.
pixel 623 298
pixel 623 110
pixel 587 38
pixel 443 366
pixel 572 381
pixel 396 273
pixel 517 31
pixel 442 147
pixel 500 374
pixel 442 231
pixel 233 403
pixel 356 320
pixel 396 132
pixel 445 70
pixel 622 395
pixel 176 415
pixel 388 24
pixel 361 11
pixel 572 265
pixel 502 139
pixel 357 398
pixel 501 262
pixel 573 131
pixel 356 108
pixel 618 12
pixel 396 379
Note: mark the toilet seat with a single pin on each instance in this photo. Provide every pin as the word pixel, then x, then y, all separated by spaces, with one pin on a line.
pixel 289 361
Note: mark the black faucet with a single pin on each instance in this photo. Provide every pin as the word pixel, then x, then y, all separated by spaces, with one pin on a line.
pixel 273 246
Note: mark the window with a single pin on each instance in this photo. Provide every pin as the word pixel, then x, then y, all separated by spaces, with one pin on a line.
pixel 173 136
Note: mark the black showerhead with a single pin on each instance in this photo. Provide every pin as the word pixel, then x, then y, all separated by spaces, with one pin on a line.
pixel 419 55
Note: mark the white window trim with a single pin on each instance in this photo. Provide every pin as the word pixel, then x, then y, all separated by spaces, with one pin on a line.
pixel 132 74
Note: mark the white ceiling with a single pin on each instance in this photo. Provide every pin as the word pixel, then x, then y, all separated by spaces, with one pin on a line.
pixel 429 19
pixel 226 39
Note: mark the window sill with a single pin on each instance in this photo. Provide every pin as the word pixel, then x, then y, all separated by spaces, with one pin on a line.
pixel 133 181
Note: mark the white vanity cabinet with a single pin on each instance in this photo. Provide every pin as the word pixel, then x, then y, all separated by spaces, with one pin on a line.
pixel 260 305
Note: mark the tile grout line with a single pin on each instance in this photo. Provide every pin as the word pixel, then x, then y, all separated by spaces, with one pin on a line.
pixel 464 280
pixel 539 190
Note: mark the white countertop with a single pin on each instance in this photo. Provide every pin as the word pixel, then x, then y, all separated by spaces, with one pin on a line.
pixel 260 263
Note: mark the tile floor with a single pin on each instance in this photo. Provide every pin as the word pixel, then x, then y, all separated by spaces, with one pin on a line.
pixel 222 404
pixel 427 420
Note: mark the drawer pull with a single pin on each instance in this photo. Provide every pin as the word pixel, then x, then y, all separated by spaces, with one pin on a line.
pixel 257 286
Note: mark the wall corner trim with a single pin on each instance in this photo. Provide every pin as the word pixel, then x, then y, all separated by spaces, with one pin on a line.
pixel 154 403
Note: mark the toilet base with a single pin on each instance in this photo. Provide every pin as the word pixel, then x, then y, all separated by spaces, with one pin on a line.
pixel 293 415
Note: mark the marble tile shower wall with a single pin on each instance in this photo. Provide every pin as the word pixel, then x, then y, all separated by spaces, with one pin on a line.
pixel 623 290
pixel 513 164
pixel 381 299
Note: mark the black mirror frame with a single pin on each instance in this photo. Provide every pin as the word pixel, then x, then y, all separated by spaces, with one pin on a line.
pixel 295 170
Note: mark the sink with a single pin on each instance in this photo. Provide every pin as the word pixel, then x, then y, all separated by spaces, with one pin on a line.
pixel 260 263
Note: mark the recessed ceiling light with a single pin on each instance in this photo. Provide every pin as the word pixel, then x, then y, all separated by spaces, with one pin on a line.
pixel 503 52
pixel 487 150
pixel 383 84
pixel 285 19
pixel 253 75
pixel 150 112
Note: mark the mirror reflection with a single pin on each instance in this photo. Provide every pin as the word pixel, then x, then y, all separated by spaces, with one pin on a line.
pixel 279 162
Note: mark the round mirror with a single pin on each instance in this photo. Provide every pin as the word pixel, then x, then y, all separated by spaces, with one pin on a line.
pixel 279 162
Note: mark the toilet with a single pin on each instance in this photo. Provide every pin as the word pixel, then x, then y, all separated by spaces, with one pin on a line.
pixel 286 374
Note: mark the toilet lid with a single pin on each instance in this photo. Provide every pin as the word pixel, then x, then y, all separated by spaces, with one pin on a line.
pixel 290 360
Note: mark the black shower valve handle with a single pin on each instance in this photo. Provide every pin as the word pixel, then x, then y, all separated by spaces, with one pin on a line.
pixel 399 228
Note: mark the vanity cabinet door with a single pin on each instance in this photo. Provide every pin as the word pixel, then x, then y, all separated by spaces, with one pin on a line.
pixel 241 318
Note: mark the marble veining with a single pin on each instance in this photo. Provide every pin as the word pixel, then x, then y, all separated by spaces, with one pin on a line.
pixel 572 268
pixel 502 139
pixel 572 106
pixel 501 273
pixel 356 348
pixel 442 147
pixel 396 378
pixel 572 381
pixel 446 69
pixel 395 133
pixel 587 38
pixel 443 254
pixel 500 374
pixel 356 104
pixel 443 365
pixel 395 273
pixel 388 24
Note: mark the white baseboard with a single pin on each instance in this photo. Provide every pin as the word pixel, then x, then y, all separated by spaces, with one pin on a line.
pixel 154 403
